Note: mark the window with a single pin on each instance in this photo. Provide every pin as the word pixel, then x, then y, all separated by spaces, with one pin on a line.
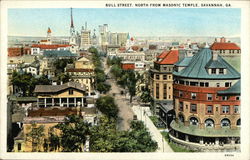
pixel 169 77
pixel 193 95
pixel 225 123
pixel 193 108
pixel 209 109
pixel 164 77
pixel 221 71
pixel 224 98
pixel 19 146
pixel 181 82
pixel 213 70
pixel 209 97
pixel 228 84
pixel 206 84
pixel 187 83
pixel 237 97
pixel 225 109
pixel 238 123
pixel 202 84
pixel 193 83
pixel 209 123
pixel 180 93
pixel 157 90
pixel 217 84
pixel 157 76
pixel 236 109
pixel 70 91
pixel 181 106
pixel 193 121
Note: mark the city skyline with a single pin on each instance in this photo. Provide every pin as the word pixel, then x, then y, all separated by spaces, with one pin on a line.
pixel 138 22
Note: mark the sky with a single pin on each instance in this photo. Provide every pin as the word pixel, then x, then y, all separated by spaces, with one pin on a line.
pixel 137 21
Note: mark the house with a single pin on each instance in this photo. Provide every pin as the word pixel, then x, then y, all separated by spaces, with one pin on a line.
pixel 71 94
pixel 38 49
pixel 206 103
pixel 225 48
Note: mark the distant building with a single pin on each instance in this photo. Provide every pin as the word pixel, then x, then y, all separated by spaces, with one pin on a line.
pixel 47 67
pixel 225 48
pixel 132 65
pixel 161 84
pixel 85 38
pixel 13 52
pixel 60 54
pixel 48 41
pixel 206 103
pixel 132 56
pixel 38 49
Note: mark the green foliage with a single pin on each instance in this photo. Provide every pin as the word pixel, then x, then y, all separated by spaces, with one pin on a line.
pixel 105 138
pixel 103 87
pixel 107 106
pixel 146 96
pixel 154 119
pixel 93 50
pixel 62 77
pixel 54 141
pixel 27 82
pixel 74 132
pixel 114 61
pixel 116 71
pixel 60 64
pixel 35 136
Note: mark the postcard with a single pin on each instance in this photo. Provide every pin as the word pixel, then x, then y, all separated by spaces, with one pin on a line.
pixel 124 80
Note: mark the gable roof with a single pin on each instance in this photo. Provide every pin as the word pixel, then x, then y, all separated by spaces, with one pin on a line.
pixel 169 57
pixel 197 67
pixel 57 88
pixel 224 46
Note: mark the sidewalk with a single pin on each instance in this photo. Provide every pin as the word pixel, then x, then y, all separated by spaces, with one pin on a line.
pixel 155 133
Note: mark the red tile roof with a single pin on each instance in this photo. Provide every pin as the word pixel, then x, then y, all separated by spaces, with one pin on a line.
pixel 44 40
pixel 170 57
pixel 224 46
pixel 135 48
pixel 47 46
pixel 163 54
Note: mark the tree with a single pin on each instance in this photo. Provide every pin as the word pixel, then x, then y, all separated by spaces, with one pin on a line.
pixel 146 96
pixel 116 71
pixel 131 84
pixel 103 87
pixel 107 106
pixel 62 77
pixel 73 133
pixel 35 136
pixel 60 64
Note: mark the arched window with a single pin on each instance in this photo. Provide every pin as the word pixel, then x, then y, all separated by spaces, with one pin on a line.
pixel 238 123
pixel 225 123
pixel 193 121
pixel 209 123
pixel 181 118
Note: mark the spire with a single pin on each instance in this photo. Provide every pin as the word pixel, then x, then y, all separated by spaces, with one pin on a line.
pixel 72 24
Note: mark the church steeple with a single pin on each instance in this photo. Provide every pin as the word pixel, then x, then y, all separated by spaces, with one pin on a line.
pixel 72 24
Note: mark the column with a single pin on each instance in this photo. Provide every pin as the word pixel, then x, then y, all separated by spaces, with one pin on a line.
pixel 217 141
pixel 82 102
pixel 60 102
pixel 75 102
pixel 201 140
pixel 67 102
pixel 53 102
pixel 186 138
pixel 37 102
pixel 232 141
pixel 45 105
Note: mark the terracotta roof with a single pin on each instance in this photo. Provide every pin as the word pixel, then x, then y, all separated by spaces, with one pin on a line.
pixel 47 46
pixel 135 48
pixel 44 40
pixel 79 70
pixel 57 88
pixel 163 54
pixel 224 46
pixel 169 57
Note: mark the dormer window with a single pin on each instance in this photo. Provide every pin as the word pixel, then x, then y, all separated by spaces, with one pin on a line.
pixel 221 71
pixel 213 70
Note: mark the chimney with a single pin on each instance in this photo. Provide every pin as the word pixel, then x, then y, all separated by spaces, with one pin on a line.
pixel 222 40
pixel 215 55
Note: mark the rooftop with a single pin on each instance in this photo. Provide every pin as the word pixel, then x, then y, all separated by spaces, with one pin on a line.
pixel 169 57
pixel 59 53
pixel 57 88
pixel 235 89
pixel 197 67
pixel 224 46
